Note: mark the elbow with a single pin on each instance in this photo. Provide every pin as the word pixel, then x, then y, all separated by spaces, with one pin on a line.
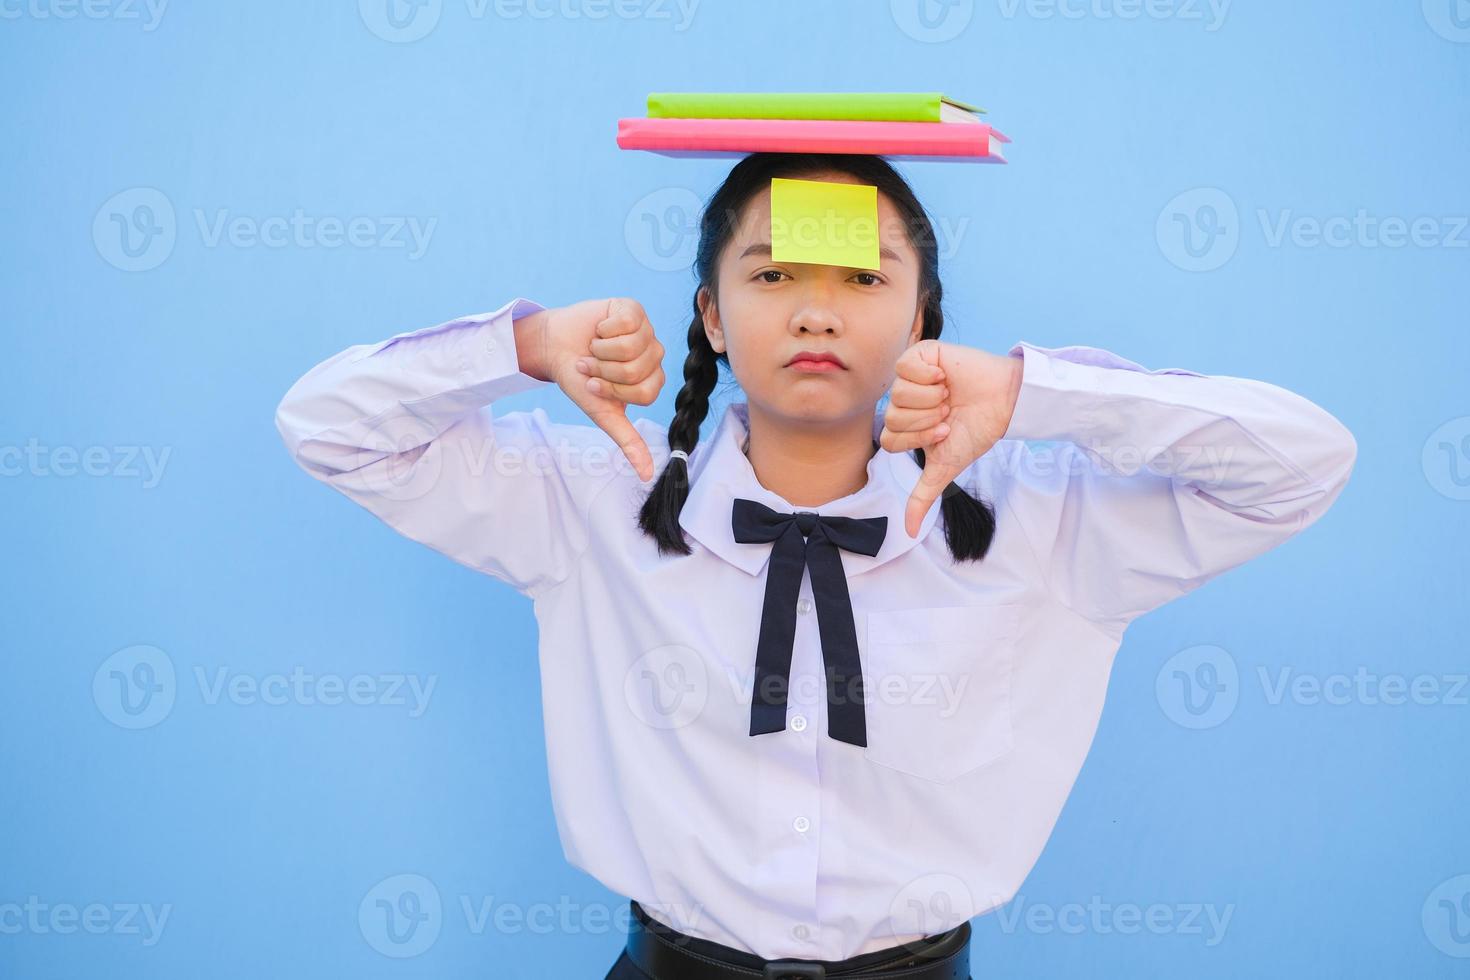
pixel 295 433
pixel 1331 466
pixel 1320 468
pixel 289 437
pixel 1341 458
pixel 1349 451
pixel 1322 450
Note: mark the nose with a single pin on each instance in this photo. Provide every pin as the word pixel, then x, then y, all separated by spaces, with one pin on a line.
pixel 816 313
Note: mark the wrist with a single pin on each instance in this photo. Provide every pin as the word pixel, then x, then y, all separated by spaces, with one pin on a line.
pixel 1013 389
pixel 531 345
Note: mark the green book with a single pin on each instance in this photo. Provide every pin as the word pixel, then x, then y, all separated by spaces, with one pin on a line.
pixel 886 106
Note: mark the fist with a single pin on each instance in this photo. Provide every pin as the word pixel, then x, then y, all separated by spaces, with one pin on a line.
pixel 954 403
pixel 604 355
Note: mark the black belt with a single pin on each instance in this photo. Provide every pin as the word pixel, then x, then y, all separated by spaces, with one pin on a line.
pixel 666 954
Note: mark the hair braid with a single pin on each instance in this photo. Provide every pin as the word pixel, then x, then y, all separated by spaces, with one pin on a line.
pixel 659 515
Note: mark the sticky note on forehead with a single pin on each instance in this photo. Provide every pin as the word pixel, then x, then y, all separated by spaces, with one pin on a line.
pixel 824 222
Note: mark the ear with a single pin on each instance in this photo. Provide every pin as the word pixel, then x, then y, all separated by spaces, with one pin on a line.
pixel 710 314
pixel 916 330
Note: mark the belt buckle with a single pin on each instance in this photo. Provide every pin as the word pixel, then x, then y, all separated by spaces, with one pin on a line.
pixel 787 969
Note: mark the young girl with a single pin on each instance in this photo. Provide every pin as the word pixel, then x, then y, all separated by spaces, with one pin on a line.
pixel 814 696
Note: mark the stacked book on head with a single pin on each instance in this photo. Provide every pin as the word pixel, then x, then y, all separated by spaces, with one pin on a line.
pixel 913 126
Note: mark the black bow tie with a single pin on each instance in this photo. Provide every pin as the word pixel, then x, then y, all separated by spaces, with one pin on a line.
pixel 807 540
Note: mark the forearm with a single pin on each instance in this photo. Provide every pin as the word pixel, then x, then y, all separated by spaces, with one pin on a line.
pixel 430 377
pixel 1256 448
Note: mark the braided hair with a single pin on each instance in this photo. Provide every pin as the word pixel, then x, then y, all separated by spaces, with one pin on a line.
pixel 968 521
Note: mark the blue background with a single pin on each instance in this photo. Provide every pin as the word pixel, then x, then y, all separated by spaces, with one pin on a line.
pixel 1333 835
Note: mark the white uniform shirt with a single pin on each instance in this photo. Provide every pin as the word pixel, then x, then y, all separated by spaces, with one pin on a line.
pixel 984 679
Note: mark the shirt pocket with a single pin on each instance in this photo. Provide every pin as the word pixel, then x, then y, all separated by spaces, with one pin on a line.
pixel 938 687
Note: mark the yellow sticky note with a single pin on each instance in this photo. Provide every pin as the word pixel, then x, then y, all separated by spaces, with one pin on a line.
pixel 824 222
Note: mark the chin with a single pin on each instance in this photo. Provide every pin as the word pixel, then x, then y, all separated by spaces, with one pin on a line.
pixel 819 404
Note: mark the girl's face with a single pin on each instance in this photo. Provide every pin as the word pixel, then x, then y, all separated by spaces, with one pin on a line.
pixel 768 312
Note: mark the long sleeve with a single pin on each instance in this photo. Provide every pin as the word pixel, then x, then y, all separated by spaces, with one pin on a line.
pixel 1160 480
pixel 404 427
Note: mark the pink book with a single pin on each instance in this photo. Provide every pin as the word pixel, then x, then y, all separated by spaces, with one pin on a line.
pixel 972 142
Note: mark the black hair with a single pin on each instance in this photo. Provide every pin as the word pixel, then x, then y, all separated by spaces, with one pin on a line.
pixel 969 522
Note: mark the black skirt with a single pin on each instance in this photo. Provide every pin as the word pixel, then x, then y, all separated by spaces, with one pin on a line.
pixel 625 969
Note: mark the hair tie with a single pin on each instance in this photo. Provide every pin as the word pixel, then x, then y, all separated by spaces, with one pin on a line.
pixel 682 453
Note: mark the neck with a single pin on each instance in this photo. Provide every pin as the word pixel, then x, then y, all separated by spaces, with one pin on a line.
pixel 810 465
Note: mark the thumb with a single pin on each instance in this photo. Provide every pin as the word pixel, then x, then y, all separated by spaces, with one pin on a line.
pixel 936 476
pixel 613 419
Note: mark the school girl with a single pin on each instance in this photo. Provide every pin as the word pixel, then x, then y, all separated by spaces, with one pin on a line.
pixel 816 685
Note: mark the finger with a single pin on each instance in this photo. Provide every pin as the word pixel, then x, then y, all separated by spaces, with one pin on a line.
pixel 625 372
pixel 911 419
pixel 623 347
pixel 929 489
pixel 619 326
pixel 906 394
pixel 923 368
pixel 920 372
pixel 616 424
pixel 902 442
pixel 644 391
pixel 623 317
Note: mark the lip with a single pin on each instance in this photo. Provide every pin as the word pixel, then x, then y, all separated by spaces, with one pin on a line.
pixel 816 362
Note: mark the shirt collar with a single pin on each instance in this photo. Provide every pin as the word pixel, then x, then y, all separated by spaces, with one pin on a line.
pixel 719 472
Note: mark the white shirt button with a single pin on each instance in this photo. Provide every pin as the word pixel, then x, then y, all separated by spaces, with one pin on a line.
pixel 798 723
pixel 804 606
pixel 800 932
pixel 802 825
pixel 490 345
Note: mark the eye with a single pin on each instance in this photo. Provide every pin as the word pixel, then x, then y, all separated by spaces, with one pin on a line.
pixel 876 280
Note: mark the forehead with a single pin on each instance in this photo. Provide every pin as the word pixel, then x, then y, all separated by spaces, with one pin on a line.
pixel 755 221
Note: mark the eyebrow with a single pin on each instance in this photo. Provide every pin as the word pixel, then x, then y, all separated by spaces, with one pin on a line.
pixel 764 248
